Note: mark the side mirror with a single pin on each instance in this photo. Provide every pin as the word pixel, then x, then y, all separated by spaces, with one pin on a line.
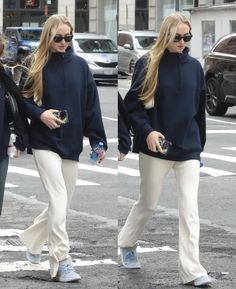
pixel 127 46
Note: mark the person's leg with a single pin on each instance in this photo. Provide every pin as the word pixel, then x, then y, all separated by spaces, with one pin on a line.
pixel 152 174
pixel 70 174
pixel 187 176
pixel 3 175
pixel 49 165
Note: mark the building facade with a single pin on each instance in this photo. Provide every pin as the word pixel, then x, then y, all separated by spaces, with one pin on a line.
pixel 98 16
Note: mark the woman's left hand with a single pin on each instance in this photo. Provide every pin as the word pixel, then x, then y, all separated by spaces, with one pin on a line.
pixel 17 154
pixel 101 156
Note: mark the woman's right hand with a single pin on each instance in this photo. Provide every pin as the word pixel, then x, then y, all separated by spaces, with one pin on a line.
pixel 50 120
pixel 153 141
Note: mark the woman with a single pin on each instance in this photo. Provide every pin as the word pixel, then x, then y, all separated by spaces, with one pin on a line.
pixel 62 103
pixel 20 125
pixel 167 102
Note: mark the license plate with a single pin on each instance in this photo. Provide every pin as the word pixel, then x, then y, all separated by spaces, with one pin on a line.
pixel 108 71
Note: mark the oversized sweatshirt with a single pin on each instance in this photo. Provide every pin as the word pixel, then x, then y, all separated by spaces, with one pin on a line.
pixel 67 85
pixel 179 107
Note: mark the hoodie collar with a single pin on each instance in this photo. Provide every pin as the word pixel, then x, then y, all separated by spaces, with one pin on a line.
pixel 182 57
pixel 62 56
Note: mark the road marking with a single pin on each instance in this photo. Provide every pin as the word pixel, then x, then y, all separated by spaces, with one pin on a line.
pixel 109 141
pixel 97 168
pixel 215 172
pixel 109 118
pixel 221 121
pixel 128 171
pixel 229 148
pixel 7 185
pixel 44 266
pixel 9 232
pixel 152 249
pixel 219 157
pixel 34 173
pixel 230 131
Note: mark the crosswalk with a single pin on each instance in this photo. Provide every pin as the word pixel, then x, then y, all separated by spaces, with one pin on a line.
pixel 132 170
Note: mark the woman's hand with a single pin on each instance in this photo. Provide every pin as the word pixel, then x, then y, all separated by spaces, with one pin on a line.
pixel 101 156
pixel 50 120
pixel 17 154
pixel 153 141
pixel 121 156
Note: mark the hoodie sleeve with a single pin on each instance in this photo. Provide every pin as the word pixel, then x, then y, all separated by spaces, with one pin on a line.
pixel 138 114
pixel 94 128
pixel 201 115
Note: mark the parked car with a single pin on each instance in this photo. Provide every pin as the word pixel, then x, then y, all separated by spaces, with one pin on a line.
pixel 21 41
pixel 220 75
pixel 131 46
pixel 100 52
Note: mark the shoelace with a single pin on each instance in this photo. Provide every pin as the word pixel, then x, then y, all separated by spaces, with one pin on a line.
pixel 130 256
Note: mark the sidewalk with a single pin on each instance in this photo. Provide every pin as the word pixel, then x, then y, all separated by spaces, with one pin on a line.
pixel 93 247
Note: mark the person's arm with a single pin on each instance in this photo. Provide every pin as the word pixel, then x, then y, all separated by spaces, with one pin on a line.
pixel 93 128
pixel 201 115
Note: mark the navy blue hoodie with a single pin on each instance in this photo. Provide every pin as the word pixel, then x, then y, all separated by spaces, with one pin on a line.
pixel 179 110
pixel 67 84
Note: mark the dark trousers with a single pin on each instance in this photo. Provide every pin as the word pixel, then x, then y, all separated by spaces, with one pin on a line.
pixel 3 175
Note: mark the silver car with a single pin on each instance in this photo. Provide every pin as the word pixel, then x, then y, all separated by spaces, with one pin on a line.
pixel 100 52
pixel 131 46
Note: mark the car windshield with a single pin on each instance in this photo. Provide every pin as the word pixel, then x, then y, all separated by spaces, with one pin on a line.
pixel 96 45
pixel 145 42
pixel 30 34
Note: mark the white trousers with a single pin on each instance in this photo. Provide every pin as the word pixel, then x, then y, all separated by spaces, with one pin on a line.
pixel 59 178
pixel 153 172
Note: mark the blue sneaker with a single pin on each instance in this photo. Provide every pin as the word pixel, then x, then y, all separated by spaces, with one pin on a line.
pixel 201 281
pixel 129 258
pixel 66 272
pixel 33 258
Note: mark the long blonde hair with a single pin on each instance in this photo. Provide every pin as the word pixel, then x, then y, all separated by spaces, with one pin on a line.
pixel 34 82
pixel 166 36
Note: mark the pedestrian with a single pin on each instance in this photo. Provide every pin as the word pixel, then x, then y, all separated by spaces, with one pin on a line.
pixel 166 105
pixel 62 102
pixel 124 139
pixel 20 125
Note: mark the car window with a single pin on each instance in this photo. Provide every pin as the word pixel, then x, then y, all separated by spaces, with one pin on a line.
pixel 30 34
pixel 96 45
pixel 227 46
pixel 145 42
pixel 125 39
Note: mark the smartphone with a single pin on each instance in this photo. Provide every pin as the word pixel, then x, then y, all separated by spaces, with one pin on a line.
pixel 62 115
pixel 165 145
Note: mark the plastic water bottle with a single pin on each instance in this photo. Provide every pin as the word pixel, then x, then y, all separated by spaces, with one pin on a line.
pixel 95 152
pixel 11 151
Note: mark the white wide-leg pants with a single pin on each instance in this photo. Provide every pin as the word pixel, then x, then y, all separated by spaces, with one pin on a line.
pixel 59 178
pixel 152 173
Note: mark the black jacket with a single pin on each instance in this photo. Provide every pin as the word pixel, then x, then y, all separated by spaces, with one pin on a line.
pixel 179 110
pixel 124 140
pixel 20 125
pixel 67 85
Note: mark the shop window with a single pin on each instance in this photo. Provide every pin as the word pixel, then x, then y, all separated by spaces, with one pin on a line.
pixel 29 4
pixel 233 26
pixel 82 4
pixel 208 36
pixel 11 4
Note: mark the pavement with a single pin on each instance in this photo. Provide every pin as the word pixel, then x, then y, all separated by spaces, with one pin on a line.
pixel 94 251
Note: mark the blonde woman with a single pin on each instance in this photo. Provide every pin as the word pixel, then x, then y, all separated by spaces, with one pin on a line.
pixel 166 104
pixel 62 103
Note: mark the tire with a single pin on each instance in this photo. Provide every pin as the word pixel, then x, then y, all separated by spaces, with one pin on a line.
pixel 214 105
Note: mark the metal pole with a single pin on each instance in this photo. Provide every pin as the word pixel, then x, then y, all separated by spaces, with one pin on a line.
pixel 177 5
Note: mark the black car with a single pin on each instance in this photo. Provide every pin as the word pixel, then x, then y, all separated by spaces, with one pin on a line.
pixel 220 75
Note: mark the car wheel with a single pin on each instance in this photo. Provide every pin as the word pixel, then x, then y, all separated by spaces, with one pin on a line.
pixel 214 105
pixel 131 66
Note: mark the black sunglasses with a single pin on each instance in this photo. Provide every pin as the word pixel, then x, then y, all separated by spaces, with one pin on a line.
pixel 59 38
pixel 186 37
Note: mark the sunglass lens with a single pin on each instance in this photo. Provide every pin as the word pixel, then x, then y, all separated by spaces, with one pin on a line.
pixel 187 38
pixel 68 38
pixel 57 38
pixel 177 38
